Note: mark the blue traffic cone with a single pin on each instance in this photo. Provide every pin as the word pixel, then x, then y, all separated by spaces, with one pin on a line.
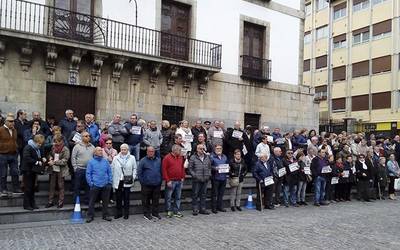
pixel 250 204
pixel 76 217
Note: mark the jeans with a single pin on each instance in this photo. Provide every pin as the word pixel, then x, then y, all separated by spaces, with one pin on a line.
pixel 122 194
pixel 236 193
pixel 79 183
pixel 301 191
pixel 150 199
pixel 289 194
pixel 94 193
pixel 319 189
pixel 174 204
pixel 199 191
pixel 135 151
pixel 9 161
pixel 218 190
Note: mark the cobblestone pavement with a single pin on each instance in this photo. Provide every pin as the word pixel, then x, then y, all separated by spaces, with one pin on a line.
pixel 354 225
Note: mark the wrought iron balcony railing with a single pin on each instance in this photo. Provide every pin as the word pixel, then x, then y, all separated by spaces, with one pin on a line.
pixel 43 20
pixel 255 68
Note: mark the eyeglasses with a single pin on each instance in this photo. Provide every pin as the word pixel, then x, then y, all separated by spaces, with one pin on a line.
pixel 85 135
pixel 108 143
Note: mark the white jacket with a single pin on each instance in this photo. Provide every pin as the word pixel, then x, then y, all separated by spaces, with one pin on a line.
pixel 129 169
pixel 262 149
pixel 186 144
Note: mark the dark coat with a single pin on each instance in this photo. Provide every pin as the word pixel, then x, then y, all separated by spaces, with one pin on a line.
pixel 292 178
pixel 30 158
pixel 238 169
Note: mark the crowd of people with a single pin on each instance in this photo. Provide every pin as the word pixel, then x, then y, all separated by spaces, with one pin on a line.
pixel 105 161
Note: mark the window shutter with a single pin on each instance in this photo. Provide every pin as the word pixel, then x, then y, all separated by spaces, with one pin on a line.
pixel 321 62
pixel 382 27
pixel 381 100
pixel 339 6
pixel 355 2
pixel 359 31
pixel 339 38
pixel 306 66
pixel 359 103
pixel 360 69
pixel 381 64
pixel 320 89
pixel 339 73
pixel 339 103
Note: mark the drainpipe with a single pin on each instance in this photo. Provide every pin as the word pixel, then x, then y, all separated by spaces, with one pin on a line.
pixel 329 87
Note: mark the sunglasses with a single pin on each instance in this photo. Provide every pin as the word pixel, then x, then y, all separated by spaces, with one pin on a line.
pixel 108 143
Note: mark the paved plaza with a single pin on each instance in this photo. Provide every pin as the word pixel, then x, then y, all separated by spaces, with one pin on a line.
pixel 354 225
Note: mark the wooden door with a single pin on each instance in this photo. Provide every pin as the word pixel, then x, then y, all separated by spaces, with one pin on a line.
pixel 60 97
pixel 173 114
pixel 253 44
pixel 175 19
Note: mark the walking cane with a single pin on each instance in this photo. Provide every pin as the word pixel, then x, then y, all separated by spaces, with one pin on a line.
pixel 261 198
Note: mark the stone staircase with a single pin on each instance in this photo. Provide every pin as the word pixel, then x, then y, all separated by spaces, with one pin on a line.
pixel 11 210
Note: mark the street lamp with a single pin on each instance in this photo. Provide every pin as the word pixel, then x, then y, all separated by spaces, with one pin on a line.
pixel 135 11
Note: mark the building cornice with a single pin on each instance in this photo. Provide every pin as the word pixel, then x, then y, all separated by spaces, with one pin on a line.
pixel 279 8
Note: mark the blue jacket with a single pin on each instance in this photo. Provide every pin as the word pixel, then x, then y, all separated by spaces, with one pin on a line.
pixel 98 172
pixel 93 130
pixel 133 139
pixel 67 126
pixel 262 170
pixel 215 161
pixel 149 171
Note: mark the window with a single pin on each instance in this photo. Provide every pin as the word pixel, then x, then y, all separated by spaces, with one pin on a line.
pixel 360 5
pixel 361 35
pixel 382 29
pixel 322 4
pixel 339 41
pixel 322 32
pixel 339 11
pixel 307 37
pixel 321 93
pixel 173 114
pixel 338 104
pixel 360 69
pixel 339 73
pixel 381 64
pixel 374 2
pixel 382 100
pixel 359 103
pixel 306 65
pixel 253 64
pixel 252 120
pixel 307 9
pixel 321 62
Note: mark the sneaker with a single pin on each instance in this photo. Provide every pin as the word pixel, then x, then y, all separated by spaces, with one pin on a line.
pixel 277 205
pixel 170 214
pixel 238 208
pixel 148 217
pixel 178 215
pixel 156 216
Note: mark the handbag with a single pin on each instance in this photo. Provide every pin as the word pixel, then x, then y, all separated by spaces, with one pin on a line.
pixel 38 169
pixel 234 181
pixel 128 179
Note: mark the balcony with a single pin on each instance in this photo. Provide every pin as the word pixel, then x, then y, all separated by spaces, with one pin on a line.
pixel 256 69
pixel 23 19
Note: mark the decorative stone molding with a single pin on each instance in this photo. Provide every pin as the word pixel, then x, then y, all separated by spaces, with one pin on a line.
pixel 156 70
pixel 51 61
pixel 136 71
pixel 2 50
pixel 76 57
pixel 173 74
pixel 118 67
pixel 98 60
pixel 26 56
pixel 204 77
pixel 189 76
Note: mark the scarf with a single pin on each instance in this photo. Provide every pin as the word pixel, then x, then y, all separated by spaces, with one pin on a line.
pixel 35 147
pixel 108 151
pixel 58 148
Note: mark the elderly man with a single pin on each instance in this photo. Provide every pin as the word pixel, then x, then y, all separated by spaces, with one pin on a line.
pixel 320 169
pixel 237 139
pixel 82 153
pixel 76 136
pixel 134 136
pixel 8 156
pixel 99 179
pixel 275 161
pixel 173 174
pixel 149 174
pixel 153 137
pixel 117 131
pixel 263 173
pixel 196 130
pixel 216 134
pixel 68 124
pixel 200 170
pixel 92 128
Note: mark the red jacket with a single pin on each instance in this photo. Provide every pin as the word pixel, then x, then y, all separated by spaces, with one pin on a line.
pixel 172 168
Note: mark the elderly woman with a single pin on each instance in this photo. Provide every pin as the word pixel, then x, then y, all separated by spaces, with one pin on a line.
pixel 394 173
pixel 237 172
pixel 32 162
pixel 58 162
pixel 124 174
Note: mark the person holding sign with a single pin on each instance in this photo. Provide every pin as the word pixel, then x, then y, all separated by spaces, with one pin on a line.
pixel 220 173
pixel 236 139
pixel 339 187
pixel 363 173
pixel 134 136
pixel 291 180
pixel 303 178
pixel 279 172
pixel 263 173
pixel 215 134
pixel 237 172
pixel 319 166
pixel 348 175
pixel 187 136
